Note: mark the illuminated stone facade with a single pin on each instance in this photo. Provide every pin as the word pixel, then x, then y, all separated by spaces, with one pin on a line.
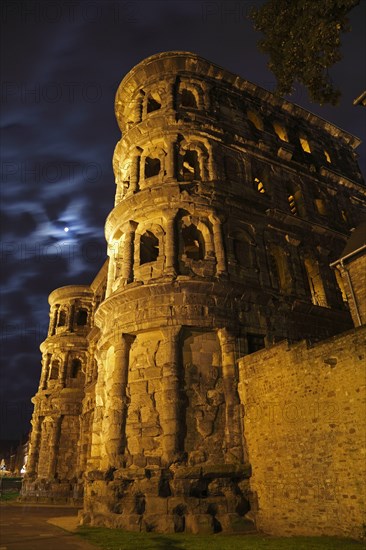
pixel 230 206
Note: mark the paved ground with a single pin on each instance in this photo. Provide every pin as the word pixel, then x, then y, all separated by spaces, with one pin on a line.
pixel 24 527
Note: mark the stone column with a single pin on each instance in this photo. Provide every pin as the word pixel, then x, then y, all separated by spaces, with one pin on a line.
pixel 53 320
pixel 34 446
pixel 116 406
pixel 46 361
pixel 233 430
pixel 170 420
pixel 70 324
pixel 96 428
pixel 53 447
pixel 171 160
pixel 219 245
pixel 170 243
pixel 63 368
pixel 134 174
pixel 127 262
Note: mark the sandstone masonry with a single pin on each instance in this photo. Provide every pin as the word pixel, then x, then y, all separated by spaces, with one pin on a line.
pixel 230 206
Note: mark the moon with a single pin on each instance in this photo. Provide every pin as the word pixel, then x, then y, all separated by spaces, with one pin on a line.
pixel 66 229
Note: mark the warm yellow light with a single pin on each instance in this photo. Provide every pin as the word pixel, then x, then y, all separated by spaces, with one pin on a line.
pixel 326 154
pixel 255 119
pixel 305 144
pixel 259 185
pixel 280 131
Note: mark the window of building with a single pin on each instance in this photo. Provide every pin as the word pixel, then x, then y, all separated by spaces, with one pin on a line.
pixel 188 99
pixel 54 369
pixel 295 200
pixel 152 167
pixel 193 243
pixel 255 342
pixel 280 269
pixel 61 318
pixel 254 117
pixel 149 248
pixel 242 249
pixel 304 144
pixel 321 206
pixel 280 131
pixel 81 317
pixel 75 368
pixel 190 166
pixel 259 186
pixel 327 157
pixel 153 104
pixel 315 282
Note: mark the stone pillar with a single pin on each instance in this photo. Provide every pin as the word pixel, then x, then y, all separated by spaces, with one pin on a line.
pixel 46 360
pixel 53 447
pixel 63 368
pixel 53 320
pixel 171 160
pixel 127 262
pixel 34 446
pixel 116 406
pixel 70 325
pixel 170 420
pixel 233 430
pixel 134 174
pixel 219 245
pixel 170 243
pixel 96 430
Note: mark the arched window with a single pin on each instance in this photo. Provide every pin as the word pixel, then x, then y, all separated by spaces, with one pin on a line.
pixel 54 369
pixel 61 318
pixel 242 250
pixel 152 167
pixel 149 248
pixel 231 168
pixel 190 166
pixel 280 271
pixel 280 131
pixel 153 103
pixel 75 368
pixel 193 243
pixel 295 200
pixel 315 282
pixel 81 317
pixel 321 206
pixel 259 186
pixel 255 119
pixel 188 99
pixel 304 144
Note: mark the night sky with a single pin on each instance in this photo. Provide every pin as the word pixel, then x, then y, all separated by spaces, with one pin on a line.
pixel 61 65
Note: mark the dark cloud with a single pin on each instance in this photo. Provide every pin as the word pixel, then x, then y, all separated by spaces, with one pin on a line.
pixel 63 63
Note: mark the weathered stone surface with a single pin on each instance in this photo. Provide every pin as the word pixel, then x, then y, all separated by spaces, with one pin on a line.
pixel 219 244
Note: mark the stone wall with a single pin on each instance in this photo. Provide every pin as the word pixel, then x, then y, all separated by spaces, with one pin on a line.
pixel 304 421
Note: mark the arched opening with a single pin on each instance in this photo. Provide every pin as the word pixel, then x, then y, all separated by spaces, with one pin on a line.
pixel 280 131
pixel 315 282
pixel 255 119
pixel 54 369
pixel 259 186
pixel 193 243
pixel 153 103
pixel 188 99
pixel 81 317
pixel 75 368
pixel 231 168
pixel 242 249
pixel 304 144
pixel 152 167
pixel 61 318
pixel 295 201
pixel 190 166
pixel 279 269
pixel 321 206
pixel 149 248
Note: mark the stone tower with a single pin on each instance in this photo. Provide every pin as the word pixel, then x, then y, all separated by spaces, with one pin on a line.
pixel 230 205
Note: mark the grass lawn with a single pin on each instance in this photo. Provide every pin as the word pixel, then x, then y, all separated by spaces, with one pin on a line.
pixel 9 495
pixel 115 539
